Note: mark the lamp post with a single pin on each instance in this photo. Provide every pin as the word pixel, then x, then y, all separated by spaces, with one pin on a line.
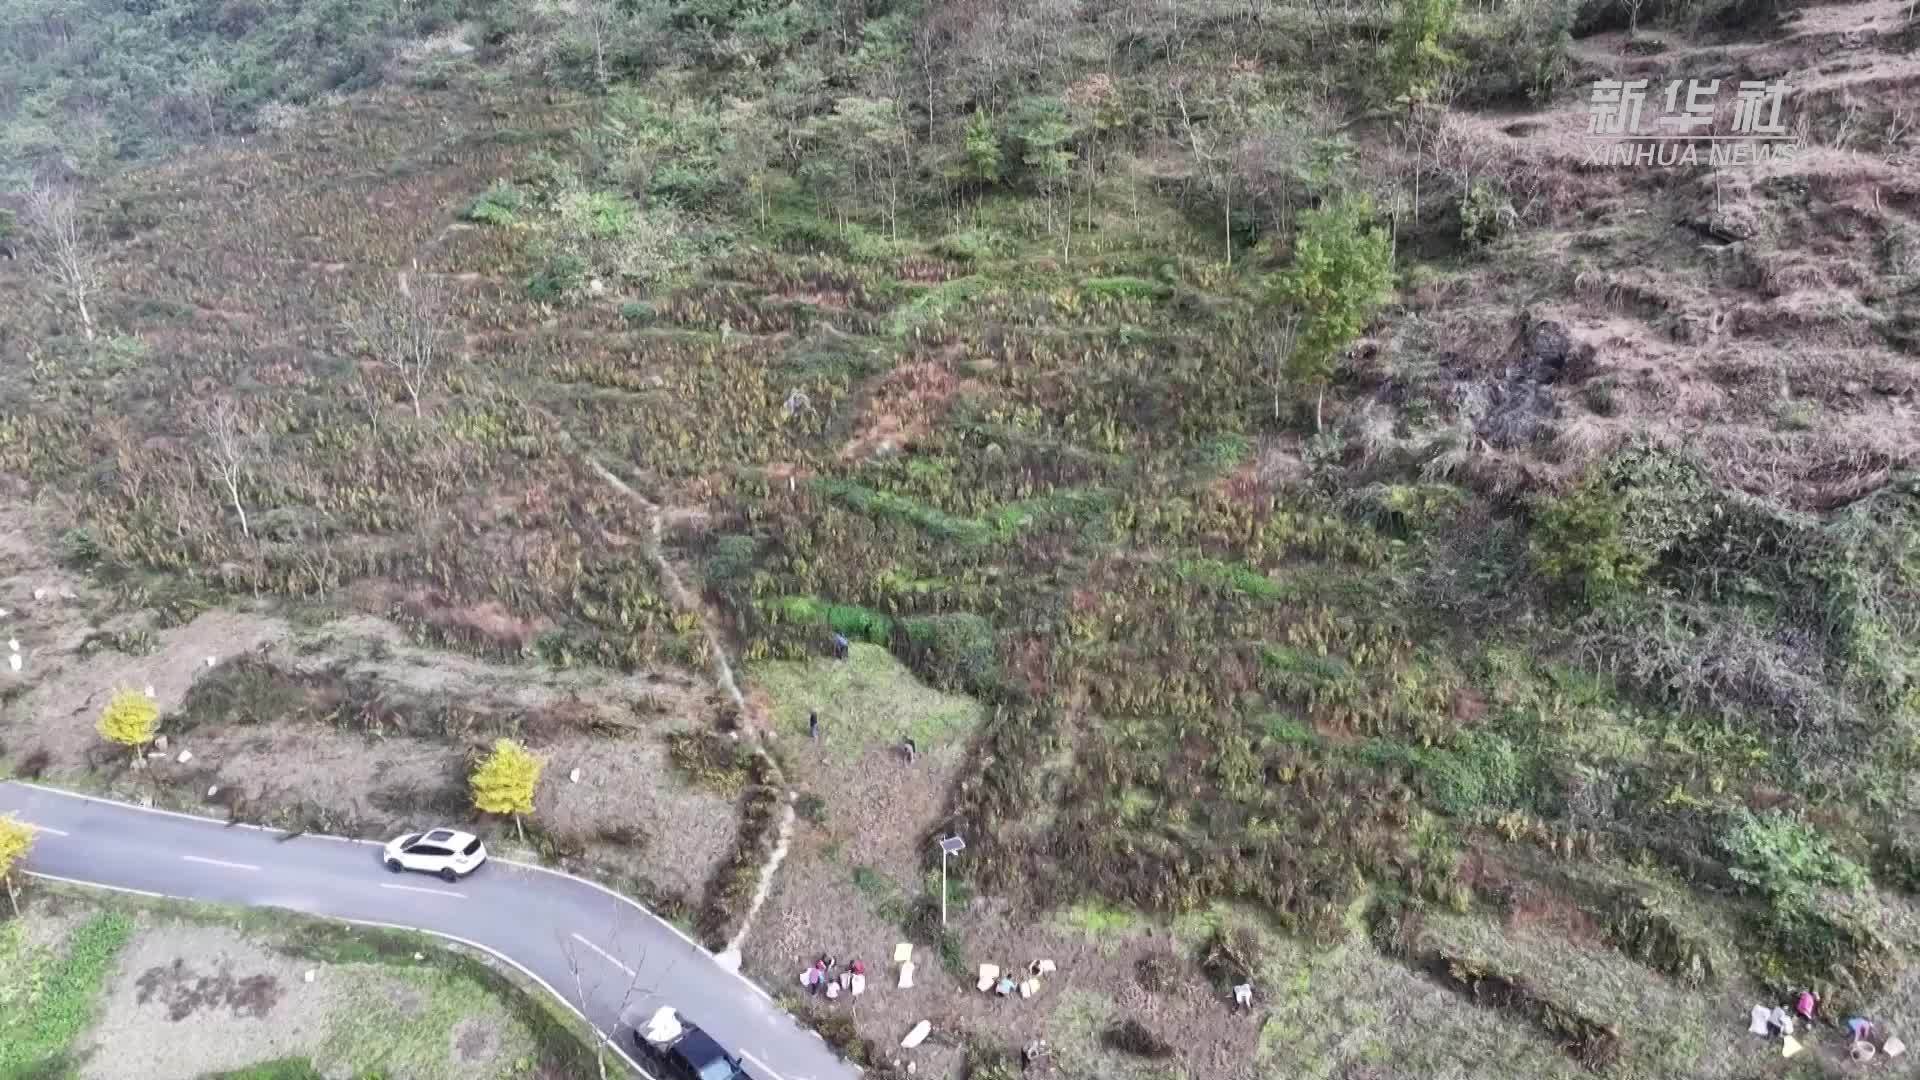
pixel 949 847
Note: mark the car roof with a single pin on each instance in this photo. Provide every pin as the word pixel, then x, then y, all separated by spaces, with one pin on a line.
pixel 698 1047
pixel 447 836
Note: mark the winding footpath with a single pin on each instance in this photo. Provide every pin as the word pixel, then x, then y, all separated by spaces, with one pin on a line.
pixel 547 924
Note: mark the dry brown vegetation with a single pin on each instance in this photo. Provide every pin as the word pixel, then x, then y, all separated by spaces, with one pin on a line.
pixel 1590 618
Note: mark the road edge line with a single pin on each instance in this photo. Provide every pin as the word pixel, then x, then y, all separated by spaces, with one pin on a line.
pixel 611 1043
pixel 124 805
pixel 644 910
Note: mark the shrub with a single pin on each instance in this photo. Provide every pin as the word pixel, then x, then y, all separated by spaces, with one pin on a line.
pixel 1786 859
pixel 1519 54
pixel 1577 541
pixel 1230 958
pixel 1125 288
pixel 1485 214
pixel 597 215
pixel 1481 770
pixel 1602 396
pixel 730 563
pixel 709 759
pixel 129 720
pixel 560 280
pixel 497 205
pixel 953 651
pixel 79 549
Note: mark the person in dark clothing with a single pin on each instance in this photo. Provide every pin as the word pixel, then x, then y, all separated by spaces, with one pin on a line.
pixel 839 647
pixel 813 724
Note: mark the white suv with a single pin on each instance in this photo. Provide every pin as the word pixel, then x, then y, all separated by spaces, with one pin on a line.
pixel 453 855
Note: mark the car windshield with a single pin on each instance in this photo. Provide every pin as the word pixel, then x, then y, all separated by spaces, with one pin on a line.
pixel 407 840
pixel 471 847
pixel 717 1069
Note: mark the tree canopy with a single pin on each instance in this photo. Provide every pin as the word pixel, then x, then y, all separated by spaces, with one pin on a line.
pixel 504 780
pixel 1342 272
pixel 130 719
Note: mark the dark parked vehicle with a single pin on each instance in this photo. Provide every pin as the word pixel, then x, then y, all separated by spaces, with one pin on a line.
pixel 681 1051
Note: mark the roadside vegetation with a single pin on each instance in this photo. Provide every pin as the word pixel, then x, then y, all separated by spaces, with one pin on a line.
pixel 112 987
pixel 1298 484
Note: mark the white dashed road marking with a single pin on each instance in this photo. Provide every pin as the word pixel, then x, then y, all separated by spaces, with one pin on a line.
pixel 604 955
pixel 220 862
pixel 429 892
pixel 765 1069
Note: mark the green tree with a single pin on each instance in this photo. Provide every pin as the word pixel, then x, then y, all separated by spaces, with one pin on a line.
pixel 1416 59
pixel 130 719
pixel 1579 541
pixel 16 840
pixel 1342 272
pixel 1045 136
pixel 982 160
pixel 504 781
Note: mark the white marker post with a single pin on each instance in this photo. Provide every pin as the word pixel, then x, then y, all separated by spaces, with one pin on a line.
pixel 949 847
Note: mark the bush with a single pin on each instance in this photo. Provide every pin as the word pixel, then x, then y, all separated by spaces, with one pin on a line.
pixel 78 549
pixel 1485 215
pixel 710 760
pixel 497 205
pixel 730 564
pixel 1520 54
pixel 560 280
pixel 1577 541
pixel 1125 288
pixel 1786 859
pixel 954 651
pixel 1481 770
pixel 596 215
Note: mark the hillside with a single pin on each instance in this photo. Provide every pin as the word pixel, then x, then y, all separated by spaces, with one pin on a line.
pixel 1317 523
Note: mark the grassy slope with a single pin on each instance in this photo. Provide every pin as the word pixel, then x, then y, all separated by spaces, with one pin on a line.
pixel 1304 673
pixel 50 994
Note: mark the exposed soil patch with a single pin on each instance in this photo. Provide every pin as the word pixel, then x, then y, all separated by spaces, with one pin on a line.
pixel 475 1042
pixel 191 999
pixel 184 990
pixel 903 404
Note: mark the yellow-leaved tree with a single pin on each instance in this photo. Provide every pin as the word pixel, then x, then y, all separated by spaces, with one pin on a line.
pixel 504 780
pixel 130 719
pixel 16 839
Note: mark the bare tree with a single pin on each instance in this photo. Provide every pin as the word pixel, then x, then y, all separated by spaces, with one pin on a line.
pixel 231 443
pixel 1277 348
pixel 404 330
pixel 632 991
pixel 58 249
pixel 1633 15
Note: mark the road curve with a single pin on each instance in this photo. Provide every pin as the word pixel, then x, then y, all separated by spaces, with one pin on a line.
pixel 533 918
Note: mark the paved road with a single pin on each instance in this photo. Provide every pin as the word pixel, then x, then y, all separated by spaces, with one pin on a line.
pixel 533 918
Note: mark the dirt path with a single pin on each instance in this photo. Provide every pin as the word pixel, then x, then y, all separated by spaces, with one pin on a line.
pixel 723 675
